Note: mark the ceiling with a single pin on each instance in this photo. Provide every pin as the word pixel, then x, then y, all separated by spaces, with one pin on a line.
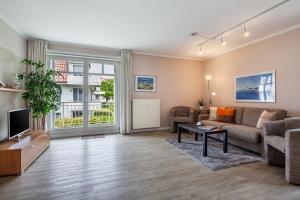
pixel 159 27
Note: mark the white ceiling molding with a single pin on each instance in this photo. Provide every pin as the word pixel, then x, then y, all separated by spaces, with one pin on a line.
pixel 165 56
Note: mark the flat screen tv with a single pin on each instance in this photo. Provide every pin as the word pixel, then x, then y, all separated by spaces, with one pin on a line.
pixel 18 122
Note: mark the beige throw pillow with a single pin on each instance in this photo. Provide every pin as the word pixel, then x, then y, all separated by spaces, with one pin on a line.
pixel 213 113
pixel 266 117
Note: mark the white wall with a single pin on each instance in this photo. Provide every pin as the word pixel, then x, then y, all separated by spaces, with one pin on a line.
pixel 179 82
pixel 12 49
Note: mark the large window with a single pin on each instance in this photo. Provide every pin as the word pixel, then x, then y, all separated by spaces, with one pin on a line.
pixel 77 94
pixel 80 78
pixel 78 70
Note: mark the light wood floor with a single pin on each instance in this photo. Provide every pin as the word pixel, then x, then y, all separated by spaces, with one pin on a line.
pixel 140 166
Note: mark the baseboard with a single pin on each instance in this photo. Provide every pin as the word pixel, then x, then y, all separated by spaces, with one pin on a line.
pixel 79 134
pixel 151 129
pixel 67 134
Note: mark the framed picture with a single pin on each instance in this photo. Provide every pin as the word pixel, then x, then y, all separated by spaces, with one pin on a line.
pixel 145 83
pixel 256 88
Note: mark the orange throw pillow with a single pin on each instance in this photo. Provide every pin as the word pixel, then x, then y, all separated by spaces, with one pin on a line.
pixel 225 115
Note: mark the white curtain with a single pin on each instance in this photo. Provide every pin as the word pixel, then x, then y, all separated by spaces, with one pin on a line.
pixel 126 84
pixel 37 51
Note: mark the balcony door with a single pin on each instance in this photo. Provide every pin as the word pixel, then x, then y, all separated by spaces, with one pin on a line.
pixel 89 98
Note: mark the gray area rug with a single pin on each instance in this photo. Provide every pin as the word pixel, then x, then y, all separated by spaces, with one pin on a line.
pixel 216 159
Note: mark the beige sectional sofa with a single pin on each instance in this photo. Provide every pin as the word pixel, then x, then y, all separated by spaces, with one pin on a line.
pixel 243 132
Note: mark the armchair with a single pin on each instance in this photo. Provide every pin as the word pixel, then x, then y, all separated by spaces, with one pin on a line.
pixel 181 114
pixel 282 146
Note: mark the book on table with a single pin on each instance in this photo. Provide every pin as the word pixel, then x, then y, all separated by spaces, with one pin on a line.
pixel 208 128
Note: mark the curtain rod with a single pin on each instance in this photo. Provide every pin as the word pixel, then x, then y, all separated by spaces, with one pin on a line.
pixel 86 56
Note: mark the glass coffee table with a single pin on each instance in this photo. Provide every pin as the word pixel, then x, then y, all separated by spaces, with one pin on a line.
pixel 202 130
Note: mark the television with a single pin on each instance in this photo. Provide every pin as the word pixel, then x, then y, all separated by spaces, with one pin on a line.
pixel 18 122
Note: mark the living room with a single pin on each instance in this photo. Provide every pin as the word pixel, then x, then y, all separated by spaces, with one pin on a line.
pixel 149 99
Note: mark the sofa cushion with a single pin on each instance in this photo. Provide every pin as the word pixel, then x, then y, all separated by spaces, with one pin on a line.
pixel 275 141
pixel 266 117
pixel 213 113
pixel 251 115
pixel 214 123
pixel 181 119
pixel 245 133
pixel 225 115
pixel 238 116
pixel 239 111
pixel 181 114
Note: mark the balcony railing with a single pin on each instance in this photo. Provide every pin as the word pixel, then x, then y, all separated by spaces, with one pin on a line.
pixel 70 114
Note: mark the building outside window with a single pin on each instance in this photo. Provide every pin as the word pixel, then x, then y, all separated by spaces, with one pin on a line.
pixel 77 94
pixel 78 69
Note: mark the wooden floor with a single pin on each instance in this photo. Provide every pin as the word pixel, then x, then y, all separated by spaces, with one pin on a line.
pixel 140 166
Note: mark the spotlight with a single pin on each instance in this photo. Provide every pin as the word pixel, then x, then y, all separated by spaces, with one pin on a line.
pixel 200 52
pixel 222 41
pixel 246 33
pixel 208 77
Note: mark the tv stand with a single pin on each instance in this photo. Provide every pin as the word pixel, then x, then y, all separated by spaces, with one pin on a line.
pixel 16 156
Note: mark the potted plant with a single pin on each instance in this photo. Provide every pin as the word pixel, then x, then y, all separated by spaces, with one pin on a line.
pixel 42 92
pixel 201 104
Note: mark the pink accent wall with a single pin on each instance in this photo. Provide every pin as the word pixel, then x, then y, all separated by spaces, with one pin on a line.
pixel 179 82
pixel 281 53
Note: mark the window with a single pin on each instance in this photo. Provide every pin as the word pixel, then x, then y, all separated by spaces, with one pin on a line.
pixel 109 69
pixel 77 95
pixel 78 69
pixel 95 68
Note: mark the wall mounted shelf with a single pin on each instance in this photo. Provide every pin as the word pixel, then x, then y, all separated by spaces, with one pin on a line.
pixel 6 89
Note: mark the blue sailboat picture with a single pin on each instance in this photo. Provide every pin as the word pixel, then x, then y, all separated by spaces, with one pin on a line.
pixel 255 88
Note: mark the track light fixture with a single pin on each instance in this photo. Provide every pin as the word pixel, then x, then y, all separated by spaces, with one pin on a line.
pixel 200 52
pixel 243 23
pixel 246 33
pixel 222 41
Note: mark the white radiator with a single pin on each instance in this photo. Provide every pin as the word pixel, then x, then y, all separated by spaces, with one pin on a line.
pixel 145 113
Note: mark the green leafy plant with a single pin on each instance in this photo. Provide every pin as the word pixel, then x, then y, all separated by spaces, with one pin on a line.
pixel 104 111
pixel 107 86
pixel 42 92
pixel 78 121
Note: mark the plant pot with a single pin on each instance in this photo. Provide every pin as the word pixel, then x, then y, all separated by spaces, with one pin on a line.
pixel 201 107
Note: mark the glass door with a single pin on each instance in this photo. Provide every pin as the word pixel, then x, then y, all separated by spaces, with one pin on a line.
pixel 71 79
pixel 101 94
pixel 89 97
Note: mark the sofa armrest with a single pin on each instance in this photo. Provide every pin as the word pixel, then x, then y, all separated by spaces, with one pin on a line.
pixel 292 140
pixel 203 117
pixel 172 111
pixel 276 128
pixel 191 115
pixel 292 151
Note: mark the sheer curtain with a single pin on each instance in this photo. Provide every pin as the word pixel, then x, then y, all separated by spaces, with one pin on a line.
pixel 37 51
pixel 126 84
